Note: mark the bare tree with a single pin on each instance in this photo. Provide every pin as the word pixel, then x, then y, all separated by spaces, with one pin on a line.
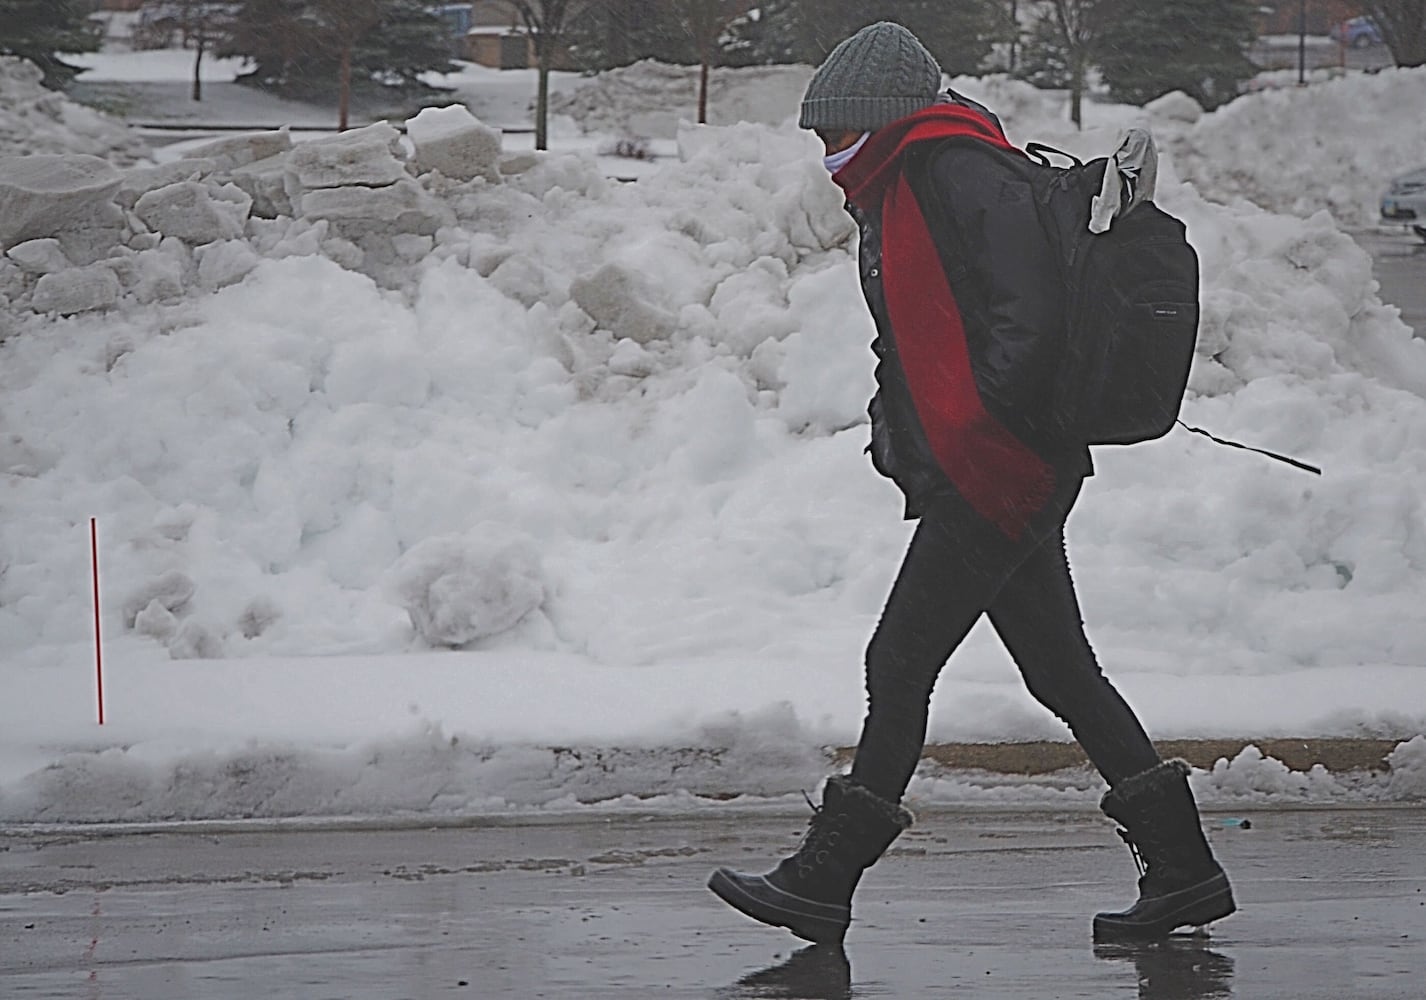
pixel 1014 32
pixel 342 24
pixel 203 24
pixel 706 21
pixel 548 21
pixel 1076 22
pixel 1403 28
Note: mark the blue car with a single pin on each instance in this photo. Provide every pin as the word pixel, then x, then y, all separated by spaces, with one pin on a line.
pixel 1358 32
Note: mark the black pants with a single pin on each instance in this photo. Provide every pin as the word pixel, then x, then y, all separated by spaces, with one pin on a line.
pixel 958 566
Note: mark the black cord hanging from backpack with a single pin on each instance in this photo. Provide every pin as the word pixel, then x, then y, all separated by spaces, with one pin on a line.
pixel 1270 454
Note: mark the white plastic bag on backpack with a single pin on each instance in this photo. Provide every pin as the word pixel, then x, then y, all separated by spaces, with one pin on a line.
pixel 1129 180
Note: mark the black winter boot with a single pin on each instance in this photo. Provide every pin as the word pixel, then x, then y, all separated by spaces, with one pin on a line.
pixel 810 892
pixel 1180 883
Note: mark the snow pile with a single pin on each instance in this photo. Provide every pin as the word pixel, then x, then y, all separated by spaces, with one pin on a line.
pixel 1250 779
pixel 1336 154
pixel 79 236
pixel 1252 776
pixel 1333 145
pixel 419 769
pixel 485 347
pixel 1346 140
pixel 426 771
pixel 1408 769
pixel 36 120
pixel 651 99
pixel 334 408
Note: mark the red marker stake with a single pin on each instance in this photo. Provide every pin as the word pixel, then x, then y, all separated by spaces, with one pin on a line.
pixel 98 644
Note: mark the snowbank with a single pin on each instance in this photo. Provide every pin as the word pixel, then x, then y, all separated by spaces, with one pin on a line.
pixel 333 410
pixel 36 120
pixel 1334 145
pixel 1298 150
pixel 651 99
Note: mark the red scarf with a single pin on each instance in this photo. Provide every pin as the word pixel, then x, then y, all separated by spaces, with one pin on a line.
pixel 1001 478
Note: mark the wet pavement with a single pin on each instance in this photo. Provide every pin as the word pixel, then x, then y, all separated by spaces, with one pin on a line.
pixel 1399 264
pixel 969 904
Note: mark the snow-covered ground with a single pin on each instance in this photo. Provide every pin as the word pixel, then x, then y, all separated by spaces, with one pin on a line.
pixel 560 497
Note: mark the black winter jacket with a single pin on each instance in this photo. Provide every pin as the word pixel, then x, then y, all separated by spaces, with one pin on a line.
pixel 1003 273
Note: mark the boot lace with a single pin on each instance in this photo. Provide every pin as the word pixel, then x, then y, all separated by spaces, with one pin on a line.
pixel 1134 850
pixel 824 830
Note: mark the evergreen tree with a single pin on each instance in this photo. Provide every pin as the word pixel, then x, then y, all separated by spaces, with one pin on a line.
pixel 1063 43
pixel 279 38
pixel 409 40
pixel 959 33
pixel 1146 50
pixel 1044 61
pixel 42 30
pixel 771 34
pixel 619 33
pixel 334 49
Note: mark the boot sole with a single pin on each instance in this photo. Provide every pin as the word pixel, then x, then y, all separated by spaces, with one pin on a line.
pixel 1196 906
pixel 728 886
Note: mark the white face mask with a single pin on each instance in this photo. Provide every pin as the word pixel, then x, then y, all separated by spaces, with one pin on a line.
pixel 837 161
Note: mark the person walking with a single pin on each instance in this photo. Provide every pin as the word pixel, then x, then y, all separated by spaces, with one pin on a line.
pixel 962 284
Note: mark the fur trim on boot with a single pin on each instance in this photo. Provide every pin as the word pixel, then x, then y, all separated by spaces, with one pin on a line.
pixel 874 805
pixel 1152 782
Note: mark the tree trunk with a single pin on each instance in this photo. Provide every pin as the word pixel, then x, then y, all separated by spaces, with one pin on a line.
pixel 1077 75
pixel 542 105
pixel 1014 34
pixel 345 99
pixel 703 88
pixel 198 69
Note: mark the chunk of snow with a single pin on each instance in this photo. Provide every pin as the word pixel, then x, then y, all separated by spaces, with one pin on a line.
pixel 138 181
pixel 195 213
pixel 172 590
pixel 156 621
pixel 616 298
pixel 1175 106
pixel 39 256
pixel 265 181
pixel 455 143
pixel 403 206
pixel 196 641
pixel 370 157
pixel 1408 769
pixel 243 150
pixel 77 290
pixel 157 274
pixel 457 589
pixel 224 263
pixel 42 194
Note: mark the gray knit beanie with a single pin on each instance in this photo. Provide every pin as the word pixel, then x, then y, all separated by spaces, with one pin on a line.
pixel 880 74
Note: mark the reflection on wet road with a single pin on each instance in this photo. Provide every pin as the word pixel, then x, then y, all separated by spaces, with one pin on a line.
pixel 1332 907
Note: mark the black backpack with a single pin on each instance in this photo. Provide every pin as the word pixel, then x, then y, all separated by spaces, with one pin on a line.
pixel 1132 300
pixel 1131 295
